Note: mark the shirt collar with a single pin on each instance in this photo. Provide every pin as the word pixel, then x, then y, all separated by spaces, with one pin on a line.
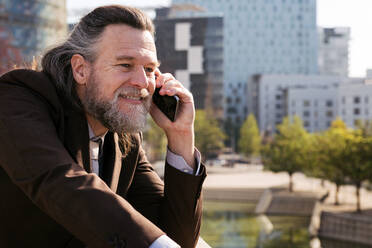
pixel 93 137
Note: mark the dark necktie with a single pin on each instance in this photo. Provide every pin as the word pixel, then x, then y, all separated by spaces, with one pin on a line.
pixel 98 140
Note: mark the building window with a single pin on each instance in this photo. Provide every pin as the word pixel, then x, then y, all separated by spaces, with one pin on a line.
pixel 278 106
pixel 278 97
pixel 329 103
pixel 306 123
pixel 306 113
pixel 329 113
pixel 366 111
pixel 356 111
pixel 357 99
pixel 315 113
pixel 228 100
pixel 306 103
pixel 343 100
pixel 328 123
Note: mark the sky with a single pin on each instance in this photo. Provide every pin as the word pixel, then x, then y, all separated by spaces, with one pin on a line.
pixel 356 14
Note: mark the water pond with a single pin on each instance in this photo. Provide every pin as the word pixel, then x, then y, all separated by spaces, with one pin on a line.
pixel 232 225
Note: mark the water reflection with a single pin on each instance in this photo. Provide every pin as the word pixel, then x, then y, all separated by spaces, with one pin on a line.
pixel 231 225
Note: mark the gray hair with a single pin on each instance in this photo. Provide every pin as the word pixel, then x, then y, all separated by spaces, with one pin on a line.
pixel 82 40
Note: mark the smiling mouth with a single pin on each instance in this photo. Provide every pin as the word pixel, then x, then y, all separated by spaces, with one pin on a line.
pixel 137 95
pixel 136 98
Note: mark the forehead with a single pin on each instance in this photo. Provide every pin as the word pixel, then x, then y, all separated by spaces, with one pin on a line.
pixel 120 40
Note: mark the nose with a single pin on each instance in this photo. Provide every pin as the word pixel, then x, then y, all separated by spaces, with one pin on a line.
pixel 139 79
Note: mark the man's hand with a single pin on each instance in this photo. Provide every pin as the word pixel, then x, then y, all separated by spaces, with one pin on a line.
pixel 180 134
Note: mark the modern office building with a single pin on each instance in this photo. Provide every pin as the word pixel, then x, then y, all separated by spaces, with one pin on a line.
pixel 355 102
pixel 333 57
pixel 369 74
pixel 311 97
pixel 27 28
pixel 262 37
pixel 317 107
pixel 316 99
pixel 192 50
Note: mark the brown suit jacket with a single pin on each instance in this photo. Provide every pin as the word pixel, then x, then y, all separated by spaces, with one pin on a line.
pixel 50 198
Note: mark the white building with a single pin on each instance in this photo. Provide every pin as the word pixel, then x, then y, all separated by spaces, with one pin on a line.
pixel 316 99
pixel 311 97
pixel 355 102
pixel 333 57
pixel 369 74
pixel 262 37
pixel 317 107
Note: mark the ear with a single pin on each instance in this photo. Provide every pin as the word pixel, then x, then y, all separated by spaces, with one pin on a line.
pixel 80 69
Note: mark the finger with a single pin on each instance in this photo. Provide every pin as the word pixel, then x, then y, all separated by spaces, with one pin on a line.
pixel 184 95
pixel 166 89
pixel 164 78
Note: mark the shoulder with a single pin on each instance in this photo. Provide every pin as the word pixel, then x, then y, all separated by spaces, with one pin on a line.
pixel 37 82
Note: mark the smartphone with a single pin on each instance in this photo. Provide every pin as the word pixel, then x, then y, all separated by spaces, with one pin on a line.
pixel 167 104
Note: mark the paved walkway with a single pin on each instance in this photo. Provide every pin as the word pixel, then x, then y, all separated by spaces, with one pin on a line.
pixel 253 177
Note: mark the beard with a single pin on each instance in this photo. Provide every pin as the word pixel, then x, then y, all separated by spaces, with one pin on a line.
pixel 109 113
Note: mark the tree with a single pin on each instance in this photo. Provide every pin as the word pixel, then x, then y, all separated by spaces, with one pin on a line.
pixel 329 148
pixel 155 140
pixel 209 138
pixel 286 151
pixel 358 160
pixel 250 140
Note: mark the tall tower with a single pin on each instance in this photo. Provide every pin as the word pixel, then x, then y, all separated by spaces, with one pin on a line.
pixel 192 50
pixel 334 51
pixel 262 37
pixel 27 28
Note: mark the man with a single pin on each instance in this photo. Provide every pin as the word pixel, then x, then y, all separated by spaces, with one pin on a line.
pixel 72 169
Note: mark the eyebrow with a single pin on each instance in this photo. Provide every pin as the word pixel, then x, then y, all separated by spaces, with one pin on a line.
pixel 126 57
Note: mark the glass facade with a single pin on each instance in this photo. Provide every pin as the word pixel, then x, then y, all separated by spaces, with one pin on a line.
pixel 27 28
pixel 264 37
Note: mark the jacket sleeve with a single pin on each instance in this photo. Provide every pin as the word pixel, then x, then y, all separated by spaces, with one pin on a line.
pixel 37 162
pixel 175 205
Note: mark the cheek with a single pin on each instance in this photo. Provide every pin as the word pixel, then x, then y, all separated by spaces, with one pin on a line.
pixel 152 83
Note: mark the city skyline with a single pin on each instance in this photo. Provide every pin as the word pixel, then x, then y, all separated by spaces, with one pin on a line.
pixel 330 13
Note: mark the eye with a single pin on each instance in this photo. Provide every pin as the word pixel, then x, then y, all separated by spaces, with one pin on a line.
pixel 149 69
pixel 125 65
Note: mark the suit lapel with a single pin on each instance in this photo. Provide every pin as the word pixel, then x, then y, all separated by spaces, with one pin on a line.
pixel 77 138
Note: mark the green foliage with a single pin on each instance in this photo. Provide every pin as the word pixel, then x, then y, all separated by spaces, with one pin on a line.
pixel 209 138
pixel 342 155
pixel 328 148
pixel 288 149
pixel 156 142
pixel 339 154
pixel 250 140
